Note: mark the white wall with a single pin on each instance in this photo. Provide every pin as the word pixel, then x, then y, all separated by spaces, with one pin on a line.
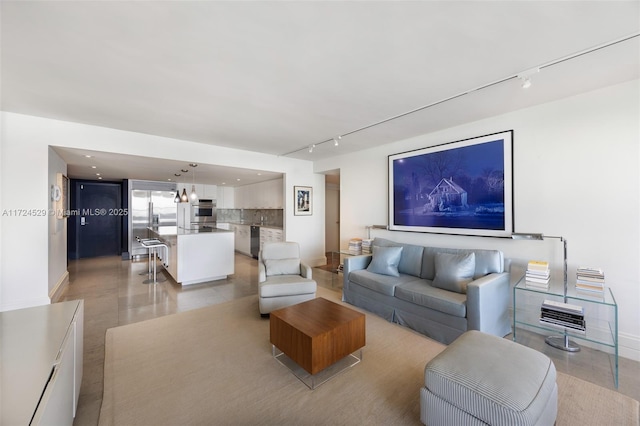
pixel 24 266
pixel 58 275
pixel 576 174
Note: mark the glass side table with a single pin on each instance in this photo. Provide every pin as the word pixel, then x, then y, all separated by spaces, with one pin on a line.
pixel 336 265
pixel 600 313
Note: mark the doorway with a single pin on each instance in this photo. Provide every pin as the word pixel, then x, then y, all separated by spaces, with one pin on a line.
pixel 96 228
pixel 332 213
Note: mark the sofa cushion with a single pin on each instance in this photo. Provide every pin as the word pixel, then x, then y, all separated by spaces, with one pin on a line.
pixel 454 271
pixel 384 284
pixel 385 260
pixel 487 261
pixel 282 266
pixel 420 292
pixel 411 259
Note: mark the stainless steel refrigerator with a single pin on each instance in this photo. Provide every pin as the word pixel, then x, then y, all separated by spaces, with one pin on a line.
pixel 150 204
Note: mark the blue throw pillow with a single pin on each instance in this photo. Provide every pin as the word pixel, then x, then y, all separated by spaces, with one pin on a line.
pixel 454 271
pixel 385 261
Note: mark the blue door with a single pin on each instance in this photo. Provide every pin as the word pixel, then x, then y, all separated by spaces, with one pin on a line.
pixel 98 219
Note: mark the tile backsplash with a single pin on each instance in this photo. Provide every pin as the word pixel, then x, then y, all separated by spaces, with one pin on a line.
pixel 272 217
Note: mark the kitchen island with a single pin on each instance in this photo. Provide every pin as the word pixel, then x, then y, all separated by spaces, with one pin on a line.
pixel 197 256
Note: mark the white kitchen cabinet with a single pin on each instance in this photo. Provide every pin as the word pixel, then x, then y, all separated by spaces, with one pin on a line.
pixel 239 197
pixel 270 235
pixel 209 192
pixel 243 239
pixel 274 194
pixel 41 365
pixel 226 197
pixel 262 195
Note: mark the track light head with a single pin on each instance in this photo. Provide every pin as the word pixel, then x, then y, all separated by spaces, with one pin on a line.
pixel 525 77
pixel 336 141
pixel 311 147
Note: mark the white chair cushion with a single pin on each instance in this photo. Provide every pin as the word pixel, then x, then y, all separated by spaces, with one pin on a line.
pixel 286 285
pixel 282 266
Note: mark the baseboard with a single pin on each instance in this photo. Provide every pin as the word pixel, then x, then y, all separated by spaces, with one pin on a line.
pixel 319 261
pixel 59 288
pixel 629 346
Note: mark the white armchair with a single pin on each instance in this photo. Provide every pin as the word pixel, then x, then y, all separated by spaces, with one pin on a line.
pixel 283 279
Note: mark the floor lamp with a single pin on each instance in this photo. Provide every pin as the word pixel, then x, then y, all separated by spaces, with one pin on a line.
pixel 560 342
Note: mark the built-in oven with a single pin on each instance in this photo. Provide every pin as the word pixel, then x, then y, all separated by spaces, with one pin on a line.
pixel 204 211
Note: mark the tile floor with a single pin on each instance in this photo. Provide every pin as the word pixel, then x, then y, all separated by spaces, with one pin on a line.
pixel 114 295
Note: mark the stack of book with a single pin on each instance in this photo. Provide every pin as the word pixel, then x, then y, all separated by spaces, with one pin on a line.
pixel 563 315
pixel 590 280
pixel 538 274
pixel 355 246
pixel 366 245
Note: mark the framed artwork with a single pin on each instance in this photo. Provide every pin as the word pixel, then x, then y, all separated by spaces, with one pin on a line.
pixel 65 196
pixel 303 200
pixel 60 196
pixel 463 187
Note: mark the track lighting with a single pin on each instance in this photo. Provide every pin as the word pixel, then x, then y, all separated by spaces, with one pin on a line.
pixel 311 147
pixel 525 77
pixel 336 141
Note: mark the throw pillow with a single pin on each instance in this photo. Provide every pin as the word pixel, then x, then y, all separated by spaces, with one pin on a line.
pixel 282 266
pixel 454 271
pixel 385 261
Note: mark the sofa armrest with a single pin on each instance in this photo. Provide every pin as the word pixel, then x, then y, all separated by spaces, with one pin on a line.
pixel 262 272
pixel 354 263
pixel 488 300
pixel 305 270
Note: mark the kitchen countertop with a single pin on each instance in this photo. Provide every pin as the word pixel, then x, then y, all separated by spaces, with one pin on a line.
pixel 168 231
pixel 254 224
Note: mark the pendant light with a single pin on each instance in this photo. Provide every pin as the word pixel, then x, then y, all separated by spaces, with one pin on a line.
pixel 184 198
pixel 177 199
pixel 194 196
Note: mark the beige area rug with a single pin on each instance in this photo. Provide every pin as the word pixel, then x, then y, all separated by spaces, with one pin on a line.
pixel 214 366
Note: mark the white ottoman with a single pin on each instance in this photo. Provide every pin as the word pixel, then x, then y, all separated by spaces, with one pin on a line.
pixel 481 379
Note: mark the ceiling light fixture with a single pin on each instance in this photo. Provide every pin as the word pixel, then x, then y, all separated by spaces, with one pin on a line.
pixel 311 147
pixel 177 199
pixel 525 77
pixel 184 198
pixel 194 196
pixel 336 141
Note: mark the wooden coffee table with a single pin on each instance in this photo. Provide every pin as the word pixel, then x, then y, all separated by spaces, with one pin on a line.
pixel 317 335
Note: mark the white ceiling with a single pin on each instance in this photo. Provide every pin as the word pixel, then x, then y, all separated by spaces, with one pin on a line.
pixel 278 76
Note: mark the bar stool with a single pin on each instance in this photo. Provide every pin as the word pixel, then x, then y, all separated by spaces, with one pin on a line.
pixel 153 245
pixel 153 240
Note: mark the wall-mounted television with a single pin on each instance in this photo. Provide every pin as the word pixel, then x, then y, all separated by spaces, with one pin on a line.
pixel 463 187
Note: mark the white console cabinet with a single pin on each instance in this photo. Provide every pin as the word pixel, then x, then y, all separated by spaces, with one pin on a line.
pixel 41 364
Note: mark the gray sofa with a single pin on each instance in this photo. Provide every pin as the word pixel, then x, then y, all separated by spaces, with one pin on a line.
pixel 439 292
